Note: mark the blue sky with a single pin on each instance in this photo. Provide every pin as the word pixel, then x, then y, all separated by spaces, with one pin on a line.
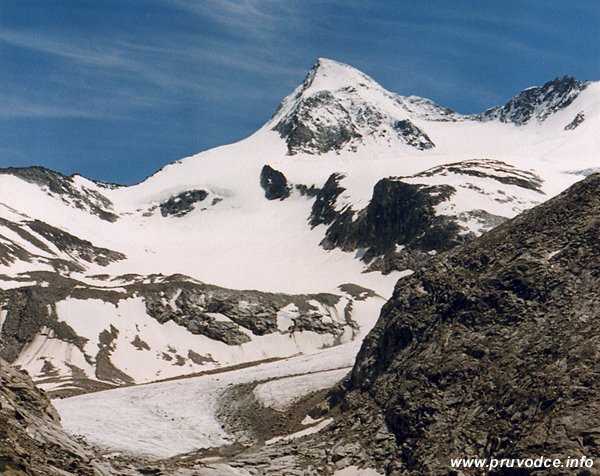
pixel 115 89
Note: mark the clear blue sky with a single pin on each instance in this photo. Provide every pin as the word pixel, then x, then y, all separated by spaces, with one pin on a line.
pixel 115 89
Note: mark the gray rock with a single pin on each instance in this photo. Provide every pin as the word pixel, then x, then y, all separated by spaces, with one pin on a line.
pixel 538 102
pixel 182 204
pixel 490 350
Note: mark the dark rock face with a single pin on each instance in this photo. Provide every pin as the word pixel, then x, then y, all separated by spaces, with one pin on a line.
pixel 182 204
pixel 105 370
pixel 274 184
pixel 323 210
pixel 537 102
pixel 31 439
pixel 403 213
pixel 307 191
pixel 196 306
pixel 304 132
pixel 64 187
pixel 491 350
pixel 412 135
pixel 28 311
pixel 577 120
pixel 75 247
pixel 398 213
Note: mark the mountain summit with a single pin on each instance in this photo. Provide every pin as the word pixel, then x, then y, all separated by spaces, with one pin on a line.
pixel 338 107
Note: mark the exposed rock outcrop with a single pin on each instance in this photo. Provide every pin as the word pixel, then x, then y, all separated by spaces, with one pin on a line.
pixel 65 188
pixel 32 443
pixel 35 317
pixel 537 102
pixel 490 351
pixel 409 219
pixel 338 108
pixel 274 184
pixel 412 135
pixel 77 248
pixel 399 213
pixel 577 120
pixel 183 203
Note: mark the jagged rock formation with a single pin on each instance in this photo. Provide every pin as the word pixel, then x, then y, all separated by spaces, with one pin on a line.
pixel 577 120
pixel 274 184
pixel 182 204
pixel 75 247
pixel 538 102
pixel 32 443
pixel 412 135
pixel 44 325
pixel 35 241
pixel 399 213
pixel 490 351
pixel 410 218
pixel 195 305
pixel 489 169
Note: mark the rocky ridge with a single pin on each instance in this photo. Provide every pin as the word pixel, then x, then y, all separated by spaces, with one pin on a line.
pixel 34 324
pixel 35 241
pixel 408 219
pixel 537 102
pixel 74 191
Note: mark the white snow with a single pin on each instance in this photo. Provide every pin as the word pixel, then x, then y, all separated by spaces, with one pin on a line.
pixel 3 314
pixel 169 344
pixel 282 393
pixel 553 254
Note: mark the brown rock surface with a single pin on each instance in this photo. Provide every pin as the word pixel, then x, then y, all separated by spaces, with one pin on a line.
pixel 32 441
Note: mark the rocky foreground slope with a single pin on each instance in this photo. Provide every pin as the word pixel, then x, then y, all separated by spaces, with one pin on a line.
pixel 491 351
pixel 31 439
pixel 494 349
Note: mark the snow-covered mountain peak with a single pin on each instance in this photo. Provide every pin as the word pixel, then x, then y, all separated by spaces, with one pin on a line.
pixel 338 108
pixel 330 75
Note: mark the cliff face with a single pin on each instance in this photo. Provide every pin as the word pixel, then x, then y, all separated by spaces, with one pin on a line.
pixel 31 439
pixel 493 350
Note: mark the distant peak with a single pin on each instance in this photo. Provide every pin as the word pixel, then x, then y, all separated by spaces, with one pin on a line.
pixel 538 102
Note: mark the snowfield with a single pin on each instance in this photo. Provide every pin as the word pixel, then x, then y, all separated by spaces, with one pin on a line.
pixel 282 393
